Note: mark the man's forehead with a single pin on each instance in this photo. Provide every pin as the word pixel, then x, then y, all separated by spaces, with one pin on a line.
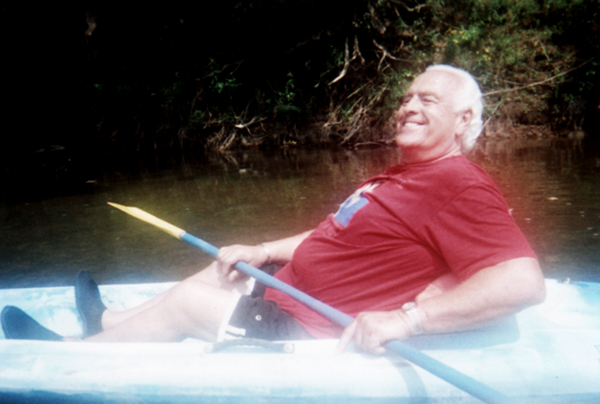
pixel 434 82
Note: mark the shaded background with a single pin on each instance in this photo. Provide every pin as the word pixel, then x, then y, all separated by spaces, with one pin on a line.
pixel 106 78
pixel 240 98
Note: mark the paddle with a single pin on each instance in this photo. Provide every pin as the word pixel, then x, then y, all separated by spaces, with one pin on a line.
pixel 451 375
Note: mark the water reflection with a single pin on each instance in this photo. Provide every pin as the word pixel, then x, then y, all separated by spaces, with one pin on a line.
pixel 249 197
pixel 553 186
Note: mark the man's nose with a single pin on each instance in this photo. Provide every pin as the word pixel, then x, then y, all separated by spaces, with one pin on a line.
pixel 404 111
pixel 411 105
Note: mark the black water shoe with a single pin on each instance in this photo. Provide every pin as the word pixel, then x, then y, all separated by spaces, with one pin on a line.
pixel 89 303
pixel 17 324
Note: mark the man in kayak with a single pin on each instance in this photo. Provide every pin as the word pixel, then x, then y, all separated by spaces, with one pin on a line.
pixel 428 246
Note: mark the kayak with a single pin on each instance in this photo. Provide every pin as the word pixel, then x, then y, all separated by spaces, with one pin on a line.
pixel 548 353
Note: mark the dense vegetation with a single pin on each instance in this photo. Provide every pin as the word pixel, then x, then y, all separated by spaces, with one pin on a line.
pixel 228 73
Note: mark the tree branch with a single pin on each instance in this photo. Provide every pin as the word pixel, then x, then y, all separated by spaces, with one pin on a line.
pixel 385 54
pixel 356 53
pixel 538 83
pixel 415 8
pixel 346 64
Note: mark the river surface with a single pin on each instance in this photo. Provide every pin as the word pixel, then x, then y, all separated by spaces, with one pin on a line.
pixel 553 187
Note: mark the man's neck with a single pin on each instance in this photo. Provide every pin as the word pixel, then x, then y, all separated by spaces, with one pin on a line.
pixel 414 158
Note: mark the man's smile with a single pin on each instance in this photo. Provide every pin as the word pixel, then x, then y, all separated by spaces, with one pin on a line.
pixel 413 124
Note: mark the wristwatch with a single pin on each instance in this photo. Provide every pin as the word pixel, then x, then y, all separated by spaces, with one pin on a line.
pixel 412 311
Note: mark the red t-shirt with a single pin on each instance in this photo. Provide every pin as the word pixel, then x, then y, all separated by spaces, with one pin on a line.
pixel 398 233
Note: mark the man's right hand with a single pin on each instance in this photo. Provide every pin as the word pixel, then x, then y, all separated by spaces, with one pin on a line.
pixel 228 256
pixel 280 251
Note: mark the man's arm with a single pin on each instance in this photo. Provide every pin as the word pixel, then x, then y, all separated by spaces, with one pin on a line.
pixel 488 295
pixel 280 251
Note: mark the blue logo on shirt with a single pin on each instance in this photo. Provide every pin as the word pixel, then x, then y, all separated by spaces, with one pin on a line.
pixel 349 208
pixel 353 204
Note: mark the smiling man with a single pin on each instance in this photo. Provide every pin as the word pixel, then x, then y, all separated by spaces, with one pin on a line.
pixel 438 122
pixel 427 246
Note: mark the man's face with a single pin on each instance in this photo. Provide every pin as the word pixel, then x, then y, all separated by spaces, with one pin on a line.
pixel 427 127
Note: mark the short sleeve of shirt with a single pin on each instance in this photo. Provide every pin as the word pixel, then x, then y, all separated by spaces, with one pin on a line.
pixel 475 230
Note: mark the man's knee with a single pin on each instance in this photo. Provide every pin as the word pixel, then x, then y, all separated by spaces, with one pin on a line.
pixel 197 309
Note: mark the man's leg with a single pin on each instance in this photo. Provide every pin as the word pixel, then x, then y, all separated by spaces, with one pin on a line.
pixel 209 275
pixel 195 307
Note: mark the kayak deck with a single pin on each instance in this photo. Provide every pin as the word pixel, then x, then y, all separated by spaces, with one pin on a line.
pixel 548 353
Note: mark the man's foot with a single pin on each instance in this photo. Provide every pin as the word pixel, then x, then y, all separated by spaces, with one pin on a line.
pixel 17 324
pixel 89 304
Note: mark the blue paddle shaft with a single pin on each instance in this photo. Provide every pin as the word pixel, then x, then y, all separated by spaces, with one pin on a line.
pixel 444 372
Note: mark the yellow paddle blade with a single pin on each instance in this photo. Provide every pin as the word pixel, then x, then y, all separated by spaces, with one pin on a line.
pixel 147 217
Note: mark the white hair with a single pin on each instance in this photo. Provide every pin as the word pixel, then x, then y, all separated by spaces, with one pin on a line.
pixel 469 98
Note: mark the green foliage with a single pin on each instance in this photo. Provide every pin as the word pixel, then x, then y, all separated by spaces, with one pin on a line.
pixel 334 68
pixel 515 47
pixel 225 85
pixel 285 105
pixel 197 120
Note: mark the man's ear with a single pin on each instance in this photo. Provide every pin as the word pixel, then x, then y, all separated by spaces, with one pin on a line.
pixel 464 120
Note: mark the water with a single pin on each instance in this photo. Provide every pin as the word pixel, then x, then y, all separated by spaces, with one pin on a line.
pixel 552 186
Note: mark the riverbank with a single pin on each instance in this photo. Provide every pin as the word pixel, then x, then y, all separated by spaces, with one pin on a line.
pixel 54 170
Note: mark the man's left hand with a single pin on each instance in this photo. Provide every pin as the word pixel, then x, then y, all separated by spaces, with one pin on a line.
pixel 371 330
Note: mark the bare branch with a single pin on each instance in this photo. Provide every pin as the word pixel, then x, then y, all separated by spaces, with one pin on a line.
pixel 385 54
pixel 490 117
pixel 236 64
pixel 538 83
pixel 228 142
pixel 245 125
pixel 411 10
pixel 375 20
pixel 356 121
pixel 346 64
pixel 359 89
pixel 356 53
pixel 543 49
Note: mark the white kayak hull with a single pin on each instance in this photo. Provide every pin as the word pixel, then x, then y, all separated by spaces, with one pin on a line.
pixel 546 354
